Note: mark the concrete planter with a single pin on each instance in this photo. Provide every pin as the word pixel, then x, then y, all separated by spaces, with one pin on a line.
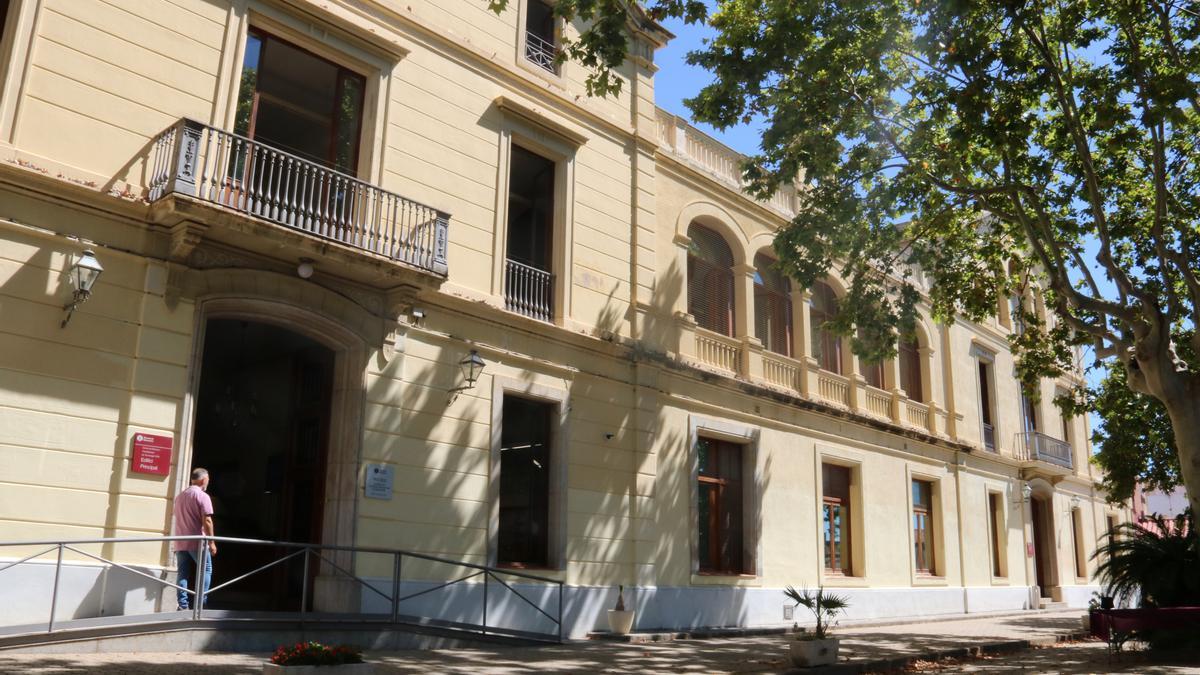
pixel 620 621
pixel 344 669
pixel 809 653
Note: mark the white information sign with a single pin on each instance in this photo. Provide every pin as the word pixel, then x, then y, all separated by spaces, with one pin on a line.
pixel 379 481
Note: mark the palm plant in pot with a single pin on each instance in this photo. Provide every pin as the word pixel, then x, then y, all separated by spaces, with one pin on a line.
pixel 817 648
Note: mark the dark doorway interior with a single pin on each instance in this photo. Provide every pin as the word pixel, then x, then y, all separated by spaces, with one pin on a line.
pixel 1040 545
pixel 262 423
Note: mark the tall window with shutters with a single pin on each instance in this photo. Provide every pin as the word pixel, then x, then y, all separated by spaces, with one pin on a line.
pixel 909 357
pixel 719 492
pixel 923 526
pixel 710 280
pixel 835 518
pixel 772 307
pixel 826 345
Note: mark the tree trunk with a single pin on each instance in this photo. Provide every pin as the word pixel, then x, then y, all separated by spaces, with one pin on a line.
pixel 1185 422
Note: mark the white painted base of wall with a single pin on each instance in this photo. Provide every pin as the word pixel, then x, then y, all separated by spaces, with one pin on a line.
pixel 681 608
pixel 84 591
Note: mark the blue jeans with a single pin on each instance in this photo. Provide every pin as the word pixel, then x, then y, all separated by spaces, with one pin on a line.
pixel 187 562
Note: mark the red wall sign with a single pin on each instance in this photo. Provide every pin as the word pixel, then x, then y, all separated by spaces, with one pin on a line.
pixel 151 454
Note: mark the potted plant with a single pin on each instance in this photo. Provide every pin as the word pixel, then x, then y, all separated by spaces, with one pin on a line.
pixel 314 657
pixel 816 648
pixel 620 620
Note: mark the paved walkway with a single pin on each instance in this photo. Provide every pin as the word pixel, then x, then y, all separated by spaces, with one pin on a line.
pixel 730 655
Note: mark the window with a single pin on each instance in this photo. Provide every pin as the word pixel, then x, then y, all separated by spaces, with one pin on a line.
pixel 1029 420
pixel 300 103
pixel 872 371
pixel 719 506
pixel 772 307
pixel 836 523
pixel 995 529
pixel 523 539
pixel 541 43
pixel 987 413
pixel 710 280
pixel 528 273
pixel 1077 538
pixel 909 355
pixel 922 523
pixel 826 345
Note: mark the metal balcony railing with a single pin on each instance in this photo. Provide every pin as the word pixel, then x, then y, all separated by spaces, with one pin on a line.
pixel 528 290
pixel 487 585
pixel 540 51
pixel 215 166
pixel 1034 445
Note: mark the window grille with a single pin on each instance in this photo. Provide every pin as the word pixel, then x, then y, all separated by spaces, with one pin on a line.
pixel 710 280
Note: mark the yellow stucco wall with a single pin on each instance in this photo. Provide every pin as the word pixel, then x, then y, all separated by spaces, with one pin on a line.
pixel 451 91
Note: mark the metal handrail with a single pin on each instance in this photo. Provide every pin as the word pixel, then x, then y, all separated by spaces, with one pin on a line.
pixel 305 551
pixel 1035 445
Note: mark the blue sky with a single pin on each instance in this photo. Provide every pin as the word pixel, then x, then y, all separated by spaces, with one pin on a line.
pixel 677 81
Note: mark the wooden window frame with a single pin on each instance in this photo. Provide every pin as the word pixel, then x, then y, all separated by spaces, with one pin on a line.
pixel 718 505
pixel 266 36
pixel 909 351
pixel 996 532
pixel 1077 544
pixel 831 344
pixel 713 275
pixel 924 544
pixel 845 504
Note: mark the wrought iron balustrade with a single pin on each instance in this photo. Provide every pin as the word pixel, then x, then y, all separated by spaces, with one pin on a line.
pixel 528 290
pixel 250 177
pixel 540 51
pixel 1035 445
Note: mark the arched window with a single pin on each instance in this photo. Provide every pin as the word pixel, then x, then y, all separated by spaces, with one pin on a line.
pixel 772 307
pixel 826 345
pixel 909 355
pixel 872 371
pixel 710 280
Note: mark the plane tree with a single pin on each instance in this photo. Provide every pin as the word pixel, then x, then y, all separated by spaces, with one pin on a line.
pixel 1038 149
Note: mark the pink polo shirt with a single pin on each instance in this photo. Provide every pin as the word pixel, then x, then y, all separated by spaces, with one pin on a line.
pixel 191 506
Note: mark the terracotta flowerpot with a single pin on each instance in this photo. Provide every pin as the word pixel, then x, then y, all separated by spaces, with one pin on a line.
pixel 809 653
pixel 620 621
pixel 344 669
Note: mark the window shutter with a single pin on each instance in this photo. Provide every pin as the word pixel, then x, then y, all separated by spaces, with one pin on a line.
pixel 710 280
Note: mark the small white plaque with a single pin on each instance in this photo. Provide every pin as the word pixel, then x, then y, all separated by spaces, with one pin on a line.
pixel 379 481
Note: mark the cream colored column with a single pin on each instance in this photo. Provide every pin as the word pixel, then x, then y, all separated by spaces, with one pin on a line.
pixel 891 382
pixel 743 321
pixel 801 334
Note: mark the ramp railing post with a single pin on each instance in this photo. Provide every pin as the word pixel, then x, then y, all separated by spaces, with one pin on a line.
pixel 304 586
pixel 486 573
pixel 560 611
pixel 54 593
pixel 396 569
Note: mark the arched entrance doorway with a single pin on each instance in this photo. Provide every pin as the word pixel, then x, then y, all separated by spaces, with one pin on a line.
pixel 262 427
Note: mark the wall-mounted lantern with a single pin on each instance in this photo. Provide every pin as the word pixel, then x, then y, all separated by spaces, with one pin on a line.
pixel 83 275
pixel 1026 494
pixel 472 367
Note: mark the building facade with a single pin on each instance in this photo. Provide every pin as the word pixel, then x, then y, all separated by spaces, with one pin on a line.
pixel 314 217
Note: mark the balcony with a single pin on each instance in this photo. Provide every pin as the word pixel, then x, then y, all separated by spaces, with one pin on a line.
pixel 989 437
pixel 528 291
pixel 219 169
pixel 1032 446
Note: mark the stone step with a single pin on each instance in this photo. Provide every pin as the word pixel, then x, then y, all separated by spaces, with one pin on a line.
pixel 1050 604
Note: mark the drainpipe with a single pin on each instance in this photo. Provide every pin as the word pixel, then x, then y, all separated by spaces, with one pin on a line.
pixel 959 461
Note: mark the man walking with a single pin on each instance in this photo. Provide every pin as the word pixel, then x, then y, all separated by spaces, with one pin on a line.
pixel 193 517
